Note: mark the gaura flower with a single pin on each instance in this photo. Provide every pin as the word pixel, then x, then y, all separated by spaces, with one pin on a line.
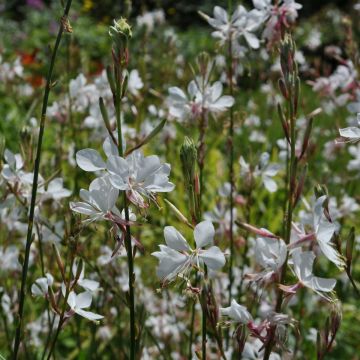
pixel 303 269
pixel 41 285
pixel 237 313
pixel 87 284
pixel 241 23
pixel 98 202
pixel 177 257
pixel 324 231
pixel 139 176
pixel 264 170
pixel 350 134
pixel 270 253
pixel 198 101
pixel 79 302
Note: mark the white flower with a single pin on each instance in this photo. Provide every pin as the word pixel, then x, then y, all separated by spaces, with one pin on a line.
pixel 200 100
pixel 41 285
pixel 270 253
pixel 224 25
pixel 177 257
pixel 237 313
pixel 82 94
pixel 88 285
pixel 82 301
pixel 9 258
pixel 134 83
pixel 12 169
pixel 56 190
pixel 91 160
pixel 247 26
pixel 241 23
pixel 139 176
pixel 354 164
pixel 99 201
pixel 264 170
pixel 303 267
pixel 351 134
pixel 324 231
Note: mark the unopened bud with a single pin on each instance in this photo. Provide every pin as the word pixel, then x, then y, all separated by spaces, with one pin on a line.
pixel 178 213
pixel 79 270
pixel 284 123
pixel 320 190
pixel 52 300
pixel 300 185
pixel 283 89
pixel 110 78
pixel 125 80
pixel 296 94
pixel 104 114
pixel 350 247
pixel 306 138
pixel 120 33
pixel 59 261
pixel 188 157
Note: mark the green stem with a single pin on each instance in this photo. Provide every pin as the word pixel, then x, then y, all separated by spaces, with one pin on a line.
pixel 292 174
pixel 353 283
pixel 231 173
pixel 69 286
pixel 130 260
pixel 191 330
pixel 35 182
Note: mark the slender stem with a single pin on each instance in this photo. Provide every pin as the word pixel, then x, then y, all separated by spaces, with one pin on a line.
pixel 35 182
pixel 130 260
pixel 62 319
pixel 231 171
pixel 353 282
pixel 191 330
pixel 289 215
pixel 201 154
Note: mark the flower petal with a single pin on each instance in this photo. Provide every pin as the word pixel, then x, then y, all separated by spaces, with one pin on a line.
pixel 204 233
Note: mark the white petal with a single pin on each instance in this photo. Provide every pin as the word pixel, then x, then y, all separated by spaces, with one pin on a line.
pixel 204 234
pixel 175 240
pixel 213 258
pixel 321 284
pixel 303 263
pixel 82 208
pixel 350 133
pixel 269 184
pixel 220 14
pixel 89 160
pixel 83 300
pixel 252 40
pixel 71 298
pixel 89 285
pixel 89 315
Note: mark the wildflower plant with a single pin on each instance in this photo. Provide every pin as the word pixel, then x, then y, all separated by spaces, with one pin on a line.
pixel 170 202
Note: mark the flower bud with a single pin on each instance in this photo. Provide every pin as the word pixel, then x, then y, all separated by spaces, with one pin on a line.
pixel 284 123
pixel 349 247
pixel 178 213
pixel 188 157
pixel 104 114
pixel 79 270
pixel 59 261
pixel 120 33
pixel 320 190
pixel 110 78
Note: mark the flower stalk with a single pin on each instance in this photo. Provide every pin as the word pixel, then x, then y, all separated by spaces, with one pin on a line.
pixel 289 86
pixel 121 33
pixel 63 27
